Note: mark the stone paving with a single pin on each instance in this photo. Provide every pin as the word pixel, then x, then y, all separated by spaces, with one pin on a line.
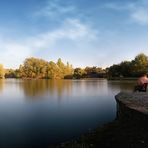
pixel 137 100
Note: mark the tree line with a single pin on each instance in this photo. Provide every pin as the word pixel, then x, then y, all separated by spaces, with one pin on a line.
pixel 133 68
pixel 41 69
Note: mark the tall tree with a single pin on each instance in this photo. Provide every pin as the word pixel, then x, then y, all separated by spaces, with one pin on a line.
pixel 140 64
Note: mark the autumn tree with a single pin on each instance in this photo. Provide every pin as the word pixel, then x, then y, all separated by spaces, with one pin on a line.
pixel 40 69
pixel 34 68
pixel 68 71
pixel 2 72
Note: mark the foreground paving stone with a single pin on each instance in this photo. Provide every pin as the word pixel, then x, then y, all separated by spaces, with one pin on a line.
pixel 132 106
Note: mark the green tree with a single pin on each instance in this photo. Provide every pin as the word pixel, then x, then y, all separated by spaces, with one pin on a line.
pixel 114 71
pixel 94 72
pixel 10 73
pixel 132 68
pixel 125 69
pixel 79 73
pixel 140 64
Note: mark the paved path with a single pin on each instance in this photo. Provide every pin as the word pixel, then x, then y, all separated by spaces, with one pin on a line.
pixel 137 101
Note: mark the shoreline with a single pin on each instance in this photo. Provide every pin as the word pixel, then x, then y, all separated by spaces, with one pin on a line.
pixel 114 134
pixel 128 130
pixel 109 79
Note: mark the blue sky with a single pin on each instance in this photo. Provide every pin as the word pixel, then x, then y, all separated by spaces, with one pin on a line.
pixel 83 32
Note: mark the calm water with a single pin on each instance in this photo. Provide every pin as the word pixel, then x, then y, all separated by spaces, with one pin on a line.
pixel 35 113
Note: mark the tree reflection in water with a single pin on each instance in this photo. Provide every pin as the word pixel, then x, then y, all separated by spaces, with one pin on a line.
pixel 121 85
pixel 1 85
pixel 38 88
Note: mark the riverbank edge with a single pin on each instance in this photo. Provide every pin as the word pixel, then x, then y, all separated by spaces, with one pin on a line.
pixel 114 134
pixel 129 129
pixel 123 78
pixel 113 78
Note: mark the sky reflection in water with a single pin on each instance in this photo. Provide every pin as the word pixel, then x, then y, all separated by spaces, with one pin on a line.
pixel 39 112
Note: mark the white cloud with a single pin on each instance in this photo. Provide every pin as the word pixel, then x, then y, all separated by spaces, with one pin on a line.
pixel 140 15
pixel 137 10
pixel 72 29
pixel 54 9
pixel 13 53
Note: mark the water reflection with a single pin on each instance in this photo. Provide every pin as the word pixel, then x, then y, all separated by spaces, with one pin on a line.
pixel 1 85
pixel 84 104
pixel 38 88
pixel 121 85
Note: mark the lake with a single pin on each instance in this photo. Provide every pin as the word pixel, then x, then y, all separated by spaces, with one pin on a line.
pixel 36 113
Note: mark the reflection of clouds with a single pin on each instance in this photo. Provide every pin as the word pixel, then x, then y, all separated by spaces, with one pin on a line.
pixel 47 88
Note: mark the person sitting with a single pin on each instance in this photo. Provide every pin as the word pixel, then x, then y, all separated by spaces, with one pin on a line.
pixel 142 83
pixel 143 79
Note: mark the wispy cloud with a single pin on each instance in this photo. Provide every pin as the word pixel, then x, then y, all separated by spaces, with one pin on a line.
pixel 137 10
pixel 72 30
pixel 55 9
pixel 140 15
pixel 78 33
pixel 13 53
